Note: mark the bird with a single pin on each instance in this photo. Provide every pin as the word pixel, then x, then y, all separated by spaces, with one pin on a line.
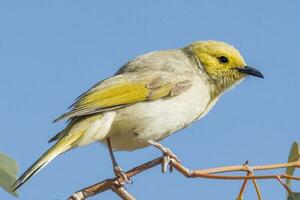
pixel 148 99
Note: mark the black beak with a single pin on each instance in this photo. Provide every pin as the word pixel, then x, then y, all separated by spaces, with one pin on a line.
pixel 249 71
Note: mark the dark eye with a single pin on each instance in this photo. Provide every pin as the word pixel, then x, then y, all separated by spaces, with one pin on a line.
pixel 223 59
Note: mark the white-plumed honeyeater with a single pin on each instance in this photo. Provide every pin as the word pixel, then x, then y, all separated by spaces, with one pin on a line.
pixel 148 99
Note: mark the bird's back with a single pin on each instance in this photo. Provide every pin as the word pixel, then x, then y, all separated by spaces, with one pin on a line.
pixel 173 61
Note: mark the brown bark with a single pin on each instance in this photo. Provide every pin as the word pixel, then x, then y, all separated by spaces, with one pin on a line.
pixel 117 184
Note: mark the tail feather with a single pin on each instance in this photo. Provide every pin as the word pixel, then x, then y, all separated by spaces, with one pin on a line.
pixel 60 147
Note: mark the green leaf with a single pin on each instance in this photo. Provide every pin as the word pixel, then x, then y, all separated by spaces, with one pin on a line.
pixel 8 172
pixel 294 196
pixel 293 156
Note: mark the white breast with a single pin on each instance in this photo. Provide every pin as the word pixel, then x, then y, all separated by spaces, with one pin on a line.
pixel 134 125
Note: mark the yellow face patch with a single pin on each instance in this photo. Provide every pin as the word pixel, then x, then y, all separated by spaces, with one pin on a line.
pixel 218 58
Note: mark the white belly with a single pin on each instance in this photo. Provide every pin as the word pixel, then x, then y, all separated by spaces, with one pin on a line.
pixel 134 125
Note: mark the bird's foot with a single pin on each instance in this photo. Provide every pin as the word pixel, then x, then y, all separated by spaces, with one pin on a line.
pixel 167 152
pixel 121 174
pixel 168 155
pixel 167 159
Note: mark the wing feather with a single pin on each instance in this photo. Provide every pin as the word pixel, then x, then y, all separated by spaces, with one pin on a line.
pixel 124 90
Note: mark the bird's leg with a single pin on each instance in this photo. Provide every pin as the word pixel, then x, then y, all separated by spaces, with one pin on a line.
pixel 168 154
pixel 117 169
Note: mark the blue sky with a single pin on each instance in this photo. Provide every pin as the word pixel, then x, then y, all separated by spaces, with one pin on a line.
pixel 52 51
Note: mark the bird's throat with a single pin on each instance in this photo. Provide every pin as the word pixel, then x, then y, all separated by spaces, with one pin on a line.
pixel 222 84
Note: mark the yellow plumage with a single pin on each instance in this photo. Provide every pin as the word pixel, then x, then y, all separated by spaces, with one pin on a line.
pixel 115 95
pixel 120 91
pixel 64 144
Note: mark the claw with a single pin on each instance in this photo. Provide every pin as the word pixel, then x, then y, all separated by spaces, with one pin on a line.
pixel 168 155
pixel 168 152
pixel 165 163
pixel 121 174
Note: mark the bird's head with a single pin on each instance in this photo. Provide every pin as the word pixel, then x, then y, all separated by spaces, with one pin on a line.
pixel 223 64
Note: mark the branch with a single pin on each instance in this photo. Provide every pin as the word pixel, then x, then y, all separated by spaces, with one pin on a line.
pixel 117 184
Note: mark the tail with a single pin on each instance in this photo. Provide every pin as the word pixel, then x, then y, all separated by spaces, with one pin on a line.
pixel 60 147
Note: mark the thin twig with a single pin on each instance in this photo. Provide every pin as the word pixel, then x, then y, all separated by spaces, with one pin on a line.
pixel 108 184
pixel 245 168
pixel 257 189
pixel 284 185
pixel 211 173
pixel 240 196
pixel 122 193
